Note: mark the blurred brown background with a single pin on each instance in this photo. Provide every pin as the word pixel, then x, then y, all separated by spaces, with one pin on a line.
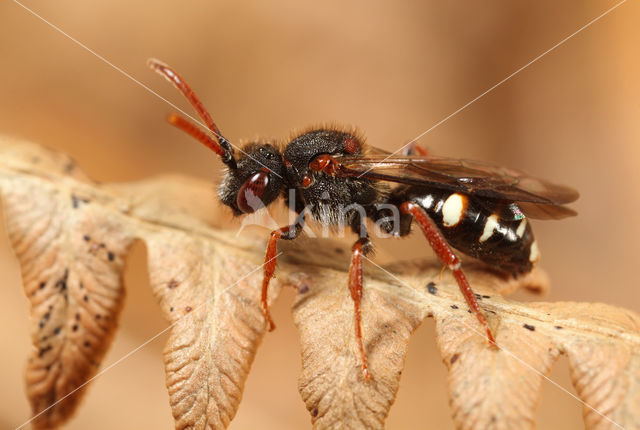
pixel 394 69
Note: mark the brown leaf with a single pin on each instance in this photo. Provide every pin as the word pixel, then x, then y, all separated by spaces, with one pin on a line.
pixel 207 282
pixel 212 299
pixel 331 383
pixel 71 253
pixel 605 366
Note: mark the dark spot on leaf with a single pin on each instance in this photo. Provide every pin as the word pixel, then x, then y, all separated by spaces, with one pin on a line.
pixel 62 283
pixel 340 250
pixel 77 317
pixel 102 245
pixel 171 309
pixel 44 338
pixel 48 367
pixel 98 316
pixel 188 309
pixel 454 358
pixel 57 330
pixel 68 168
pixel 42 285
pixel 75 327
pixel 431 288
pixel 529 327
pixel 81 285
pixel 75 201
pixel 86 238
pixel 478 296
pixel 486 297
pixel 111 256
pixel 304 288
pixel 41 323
pixel 44 350
pixel 454 306
pixel 559 327
pixel 87 344
pixel 41 352
pixel 469 310
pixel 172 284
pixel 86 298
pixel 314 412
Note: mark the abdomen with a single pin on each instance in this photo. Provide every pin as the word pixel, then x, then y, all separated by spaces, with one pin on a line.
pixel 493 231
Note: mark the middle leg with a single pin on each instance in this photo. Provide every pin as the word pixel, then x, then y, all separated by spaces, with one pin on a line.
pixel 359 248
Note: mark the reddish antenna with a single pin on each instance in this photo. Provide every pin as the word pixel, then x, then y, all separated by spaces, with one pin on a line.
pixel 221 145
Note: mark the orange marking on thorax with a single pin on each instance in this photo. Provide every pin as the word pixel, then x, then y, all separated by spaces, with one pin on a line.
pixel 324 163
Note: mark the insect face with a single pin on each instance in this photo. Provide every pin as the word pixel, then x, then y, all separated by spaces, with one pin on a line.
pixel 256 181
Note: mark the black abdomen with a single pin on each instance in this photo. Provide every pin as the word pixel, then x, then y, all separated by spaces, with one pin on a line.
pixel 493 231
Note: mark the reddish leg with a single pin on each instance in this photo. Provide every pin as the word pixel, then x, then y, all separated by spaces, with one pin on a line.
pixel 445 253
pixel 355 287
pixel 289 232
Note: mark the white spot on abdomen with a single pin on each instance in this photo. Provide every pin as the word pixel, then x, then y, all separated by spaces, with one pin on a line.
pixel 489 227
pixel 453 209
pixel 534 253
pixel 427 201
pixel 521 227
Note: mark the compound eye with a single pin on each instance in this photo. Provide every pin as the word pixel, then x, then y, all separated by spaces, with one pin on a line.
pixel 249 197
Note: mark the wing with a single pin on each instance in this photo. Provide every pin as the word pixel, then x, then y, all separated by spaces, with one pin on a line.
pixel 538 198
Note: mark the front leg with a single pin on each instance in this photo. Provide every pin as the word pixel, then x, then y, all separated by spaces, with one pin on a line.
pixel 448 257
pixel 289 232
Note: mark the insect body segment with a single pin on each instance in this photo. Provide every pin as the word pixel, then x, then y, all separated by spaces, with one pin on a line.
pixel 485 229
pixel 480 210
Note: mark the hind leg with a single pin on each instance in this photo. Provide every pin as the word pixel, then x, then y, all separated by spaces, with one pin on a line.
pixel 448 257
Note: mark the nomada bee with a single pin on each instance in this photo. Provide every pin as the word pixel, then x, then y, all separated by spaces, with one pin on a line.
pixel 475 208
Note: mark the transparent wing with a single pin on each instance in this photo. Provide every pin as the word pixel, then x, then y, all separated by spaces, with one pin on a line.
pixel 537 197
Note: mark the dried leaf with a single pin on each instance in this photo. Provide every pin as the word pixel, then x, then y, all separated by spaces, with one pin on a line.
pixel 218 325
pixel 71 254
pixel 207 282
